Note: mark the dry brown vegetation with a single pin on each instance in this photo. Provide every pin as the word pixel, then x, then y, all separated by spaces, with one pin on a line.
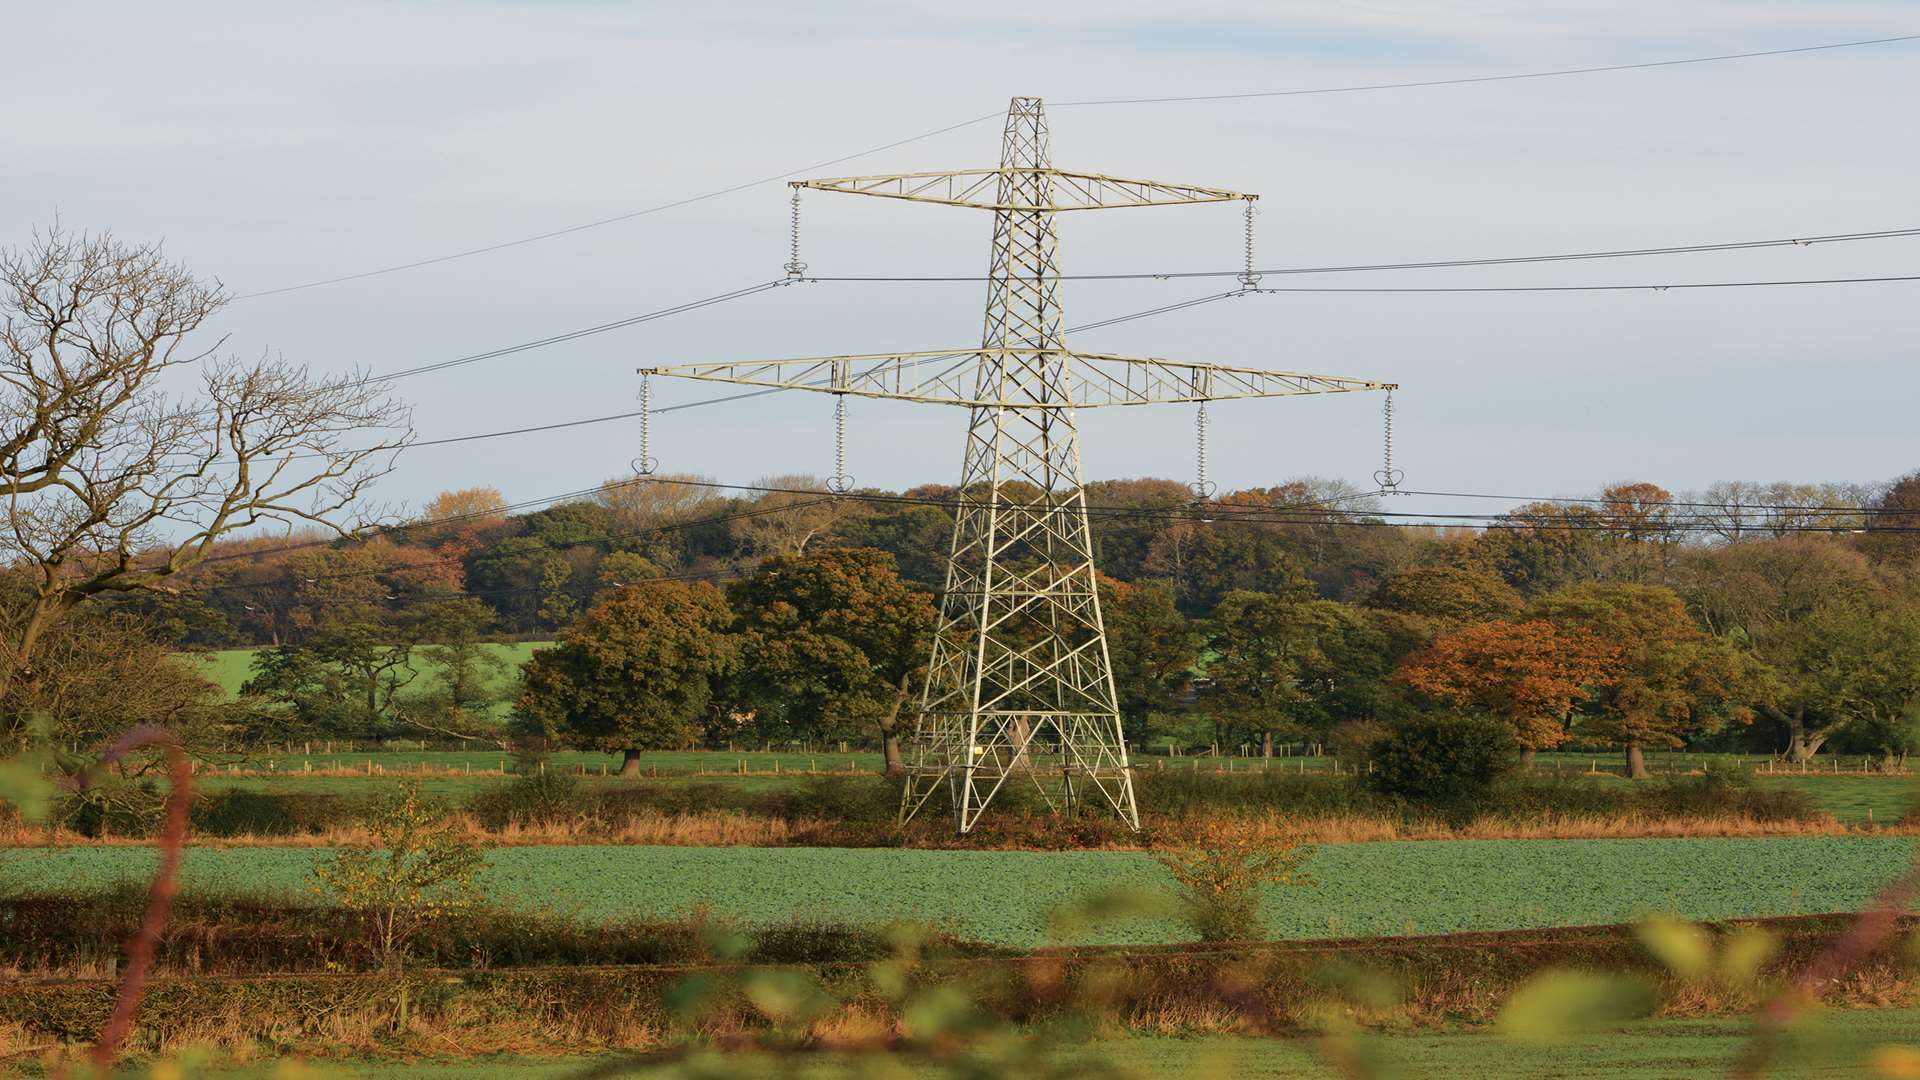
pixel 1444 981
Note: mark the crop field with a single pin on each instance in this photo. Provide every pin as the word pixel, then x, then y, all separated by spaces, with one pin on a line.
pixel 1387 888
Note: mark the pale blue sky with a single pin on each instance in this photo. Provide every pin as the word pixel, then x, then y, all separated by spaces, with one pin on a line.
pixel 272 144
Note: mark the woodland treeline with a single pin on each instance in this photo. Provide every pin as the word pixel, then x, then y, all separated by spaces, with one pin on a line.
pixel 1781 617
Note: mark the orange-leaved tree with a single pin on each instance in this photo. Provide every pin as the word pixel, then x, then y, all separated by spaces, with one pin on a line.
pixel 1672 680
pixel 1530 674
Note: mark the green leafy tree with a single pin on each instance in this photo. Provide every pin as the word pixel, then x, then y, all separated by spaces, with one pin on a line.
pixel 831 643
pixel 917 536
pixel 1795 604
pixel 1206 561
pixel 1153 646
pixel 634 673
pixel 1261 645
pixel 1344 676
pixel 466 678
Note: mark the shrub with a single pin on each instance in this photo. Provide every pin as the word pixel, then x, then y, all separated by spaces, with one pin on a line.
pixel 243 812
pixel 1443 760
pixel 1353 742
pixel 420 872
pixel 1222 877
pixel 1724 788
pixel 1180 794
pixel 532 798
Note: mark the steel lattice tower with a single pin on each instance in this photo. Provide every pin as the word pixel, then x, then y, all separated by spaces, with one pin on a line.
pixel 1020 682
pixel 1020 678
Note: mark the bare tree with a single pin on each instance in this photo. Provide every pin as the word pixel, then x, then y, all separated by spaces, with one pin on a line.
pixel 126 452
pixel 785 519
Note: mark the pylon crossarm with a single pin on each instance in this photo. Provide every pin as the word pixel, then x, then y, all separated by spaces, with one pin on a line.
pixel 1066 190
pixel 949 377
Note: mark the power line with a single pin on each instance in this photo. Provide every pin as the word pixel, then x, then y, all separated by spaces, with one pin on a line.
pixel 1162 310
pixel 629 216
pixel 1431 264
pixel 1490 78
pixel 563 424
pixel 1644 287
pixel 575 335
pixel 692 199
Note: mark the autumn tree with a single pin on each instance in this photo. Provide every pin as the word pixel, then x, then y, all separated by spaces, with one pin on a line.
pixel 647 514
pixel 636 672
pixel 830 643
pixel 127 451
pixel 1893 526
pixel 1670 680
pixel 788 518
pixel 1448 596
pixel 466 506
pixel 1530 675
pixel 1544 546
pixel 1642 526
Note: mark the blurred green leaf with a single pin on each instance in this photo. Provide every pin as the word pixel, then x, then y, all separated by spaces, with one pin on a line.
pixel 1745 952
pixel 942 1010
pixel 1684 948
pixel 788 997
pixel 1560 1003
pixel 724 942
pixel 24 783
pixel 1362 986
pixel 1076 917
pixel 688 999
pixel 890 978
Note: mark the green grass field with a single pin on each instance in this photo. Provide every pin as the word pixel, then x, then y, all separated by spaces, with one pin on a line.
pixel 1832 1044
pixel 1850 799
pixel 233 667
pixel 1385 888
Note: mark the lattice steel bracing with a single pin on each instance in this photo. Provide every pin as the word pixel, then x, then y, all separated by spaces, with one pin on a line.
pixel 1019 686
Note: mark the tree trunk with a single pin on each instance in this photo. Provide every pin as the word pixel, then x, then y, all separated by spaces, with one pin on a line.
pixel 891 763
pixel 1889 761
pixel 1801 744
pixel 1636 762
pixel 630 762
pixel 1526 757
pixel 1266 743
pixel 46 610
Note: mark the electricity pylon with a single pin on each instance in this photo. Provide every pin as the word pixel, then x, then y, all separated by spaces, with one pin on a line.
pixel 1020 683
